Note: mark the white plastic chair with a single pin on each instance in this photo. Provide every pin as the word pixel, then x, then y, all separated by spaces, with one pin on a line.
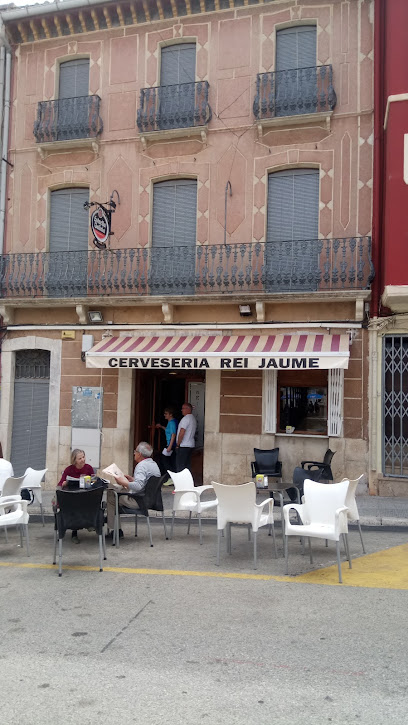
pixel 237 505
pixel 32 481
pixel 351 503
pixel 323 515
pixel 13 512
pixel 187 497
pixel 13 486
pixel 6 470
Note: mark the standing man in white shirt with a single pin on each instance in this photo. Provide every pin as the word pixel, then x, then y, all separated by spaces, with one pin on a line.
pixel 185 439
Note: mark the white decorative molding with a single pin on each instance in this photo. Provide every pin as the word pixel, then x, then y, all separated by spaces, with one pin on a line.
pixel 167 310
pixel 260 311
pixel 7 313
pixel 82 312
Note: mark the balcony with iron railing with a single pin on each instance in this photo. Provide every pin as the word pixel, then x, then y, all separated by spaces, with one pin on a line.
pixel 318 265
pixel 294 93
pixel 174 110
pixel 68 121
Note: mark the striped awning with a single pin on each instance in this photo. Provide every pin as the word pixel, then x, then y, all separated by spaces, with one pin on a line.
pixel 222 352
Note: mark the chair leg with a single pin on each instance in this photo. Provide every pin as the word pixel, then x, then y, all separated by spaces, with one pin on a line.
pixel 165 527
pixel 286 553
pixel 6 534
pixel 115 540
pixel 310 550
pixel 255 535
pixel 21 535
pixel 189 523
pixel 103 543
pixel 42 514
pixel 282 516
pixel 347 549
pixel 27 540
pixel 274 541
pixel 100 553
pixel 59 557
pixel 219 532
pixel 249 532
pixel 200 529
pixel 135 524
pixel 172 524
pixel 54 561
pixel 338 561
pixel 327 543
pixel 150 531
pixel 229 539
pixel 361 535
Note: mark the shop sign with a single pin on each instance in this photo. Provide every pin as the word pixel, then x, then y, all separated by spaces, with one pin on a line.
pixel 221 363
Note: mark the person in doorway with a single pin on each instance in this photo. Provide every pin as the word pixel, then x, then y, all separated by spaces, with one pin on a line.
pixel 77 469
pixel 170 430
pixel 185 443
pixel 144 468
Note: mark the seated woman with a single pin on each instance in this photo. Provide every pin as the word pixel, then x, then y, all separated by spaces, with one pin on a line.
pixel 77 469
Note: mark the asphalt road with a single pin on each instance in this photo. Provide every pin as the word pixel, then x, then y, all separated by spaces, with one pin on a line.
pixel 193 645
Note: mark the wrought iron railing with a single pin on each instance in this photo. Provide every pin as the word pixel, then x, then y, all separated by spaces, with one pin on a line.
pixel 67 119
pixel 304 266
pixel 294 92
pixel 184 105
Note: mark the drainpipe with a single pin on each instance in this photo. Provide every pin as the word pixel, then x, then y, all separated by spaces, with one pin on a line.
pixel 227 185
pixel 4 148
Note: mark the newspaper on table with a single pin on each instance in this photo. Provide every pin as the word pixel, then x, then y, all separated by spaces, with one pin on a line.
pixel 114 470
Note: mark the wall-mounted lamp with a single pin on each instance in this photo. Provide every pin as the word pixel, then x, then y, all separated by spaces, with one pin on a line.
pixel 95 316
pixel 245 310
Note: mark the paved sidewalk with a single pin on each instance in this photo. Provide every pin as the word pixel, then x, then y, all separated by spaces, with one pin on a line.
pixel 373 510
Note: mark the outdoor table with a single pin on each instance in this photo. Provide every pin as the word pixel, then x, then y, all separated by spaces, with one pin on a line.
pixel 276 487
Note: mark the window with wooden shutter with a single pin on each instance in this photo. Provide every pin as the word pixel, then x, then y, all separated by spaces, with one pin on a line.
pixel 68 243
pixel 291 253
pixel 296 81
pixel 73 100
pixel 174 236
pixel 177 85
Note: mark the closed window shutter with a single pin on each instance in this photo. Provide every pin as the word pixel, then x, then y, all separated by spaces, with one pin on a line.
pixel 335 402
pixel 178 64
pixel 74 79
pixel 292 230
pixel 174 236
pixel 296 47
pixel 293 205
pixel 69 220
pixel 175 213
pixel 30 420
pixel 270 379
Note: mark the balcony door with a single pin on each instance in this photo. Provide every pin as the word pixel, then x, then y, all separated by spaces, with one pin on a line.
pixel 68 243
pixel 292 246
pixel 73 100
pixel 177 86
pixel 174 233
pixel 296 82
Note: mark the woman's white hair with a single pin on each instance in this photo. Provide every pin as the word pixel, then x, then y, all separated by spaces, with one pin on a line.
pixel 145 449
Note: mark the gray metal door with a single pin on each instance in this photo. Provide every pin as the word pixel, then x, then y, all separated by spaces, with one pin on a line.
pixel 174 237
pixel 177 86
pixel 291 252
pixel 68 245
pixel 395 406
pixel 296 83
pixel 30 413
pixel 73 93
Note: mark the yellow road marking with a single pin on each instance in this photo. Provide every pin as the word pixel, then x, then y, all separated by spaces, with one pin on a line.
pixel 386 569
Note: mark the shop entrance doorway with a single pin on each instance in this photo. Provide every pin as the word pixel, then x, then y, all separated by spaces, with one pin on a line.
pixel 155 391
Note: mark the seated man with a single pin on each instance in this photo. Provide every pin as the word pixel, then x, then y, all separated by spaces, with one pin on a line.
pixel 145 467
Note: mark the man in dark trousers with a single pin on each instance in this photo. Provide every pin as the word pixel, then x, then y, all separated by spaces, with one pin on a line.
pixel 185 439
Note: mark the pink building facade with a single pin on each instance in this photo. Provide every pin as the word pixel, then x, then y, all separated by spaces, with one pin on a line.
pixel 239 141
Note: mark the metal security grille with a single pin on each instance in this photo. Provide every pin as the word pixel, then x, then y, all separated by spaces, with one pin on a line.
pixel 30 414
pixel 395 406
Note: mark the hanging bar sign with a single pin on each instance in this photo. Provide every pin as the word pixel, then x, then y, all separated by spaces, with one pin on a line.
pixel 101 226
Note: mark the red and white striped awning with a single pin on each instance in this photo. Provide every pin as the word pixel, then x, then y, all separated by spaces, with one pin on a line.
pixel 221 352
